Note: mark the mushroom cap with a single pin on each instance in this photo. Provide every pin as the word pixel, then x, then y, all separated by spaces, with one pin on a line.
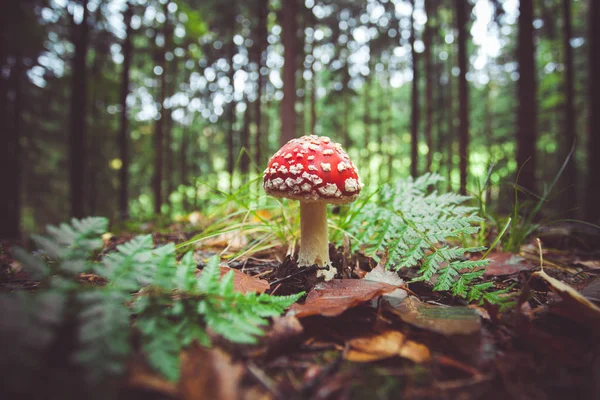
pixel 312 169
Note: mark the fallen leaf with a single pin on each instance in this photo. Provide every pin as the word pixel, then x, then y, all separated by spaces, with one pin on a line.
pixel 245 283
pixel 591 264
pixel 380 274
pixel 231 241
pixel 574 306
pixel 506 264
pixel 443 320
pixel 332 298
pixel 385 345
pixel 209 374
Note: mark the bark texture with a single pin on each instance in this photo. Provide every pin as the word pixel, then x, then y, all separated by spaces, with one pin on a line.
pixel 77 131
pixel 526 114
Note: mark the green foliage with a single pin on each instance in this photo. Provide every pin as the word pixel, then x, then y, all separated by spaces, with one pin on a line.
pixel 416 227
pixel 169 305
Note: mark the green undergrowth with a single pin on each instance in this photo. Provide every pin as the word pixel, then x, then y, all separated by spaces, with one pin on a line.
pixel 146 288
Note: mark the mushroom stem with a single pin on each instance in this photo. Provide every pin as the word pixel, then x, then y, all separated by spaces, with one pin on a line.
pixel 314 242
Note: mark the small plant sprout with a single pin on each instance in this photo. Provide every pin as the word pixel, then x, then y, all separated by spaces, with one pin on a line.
pixel 316 171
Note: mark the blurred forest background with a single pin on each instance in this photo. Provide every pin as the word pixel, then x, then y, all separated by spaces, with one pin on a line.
pixel 135 108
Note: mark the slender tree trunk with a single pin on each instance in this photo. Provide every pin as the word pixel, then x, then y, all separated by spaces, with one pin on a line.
pixel 245 157
pixel 231 50
pixel 440 118
pixel 170 167
pixel 427 35
pixel 593 187
pixel 451 132
pixel 94 149
pixel 526 115
pixel 123 140
pixel 289 23
pixel 570 175
pixel 463 94
pixel 259 58
pixel 367 126
pixel 313 99
pixel 10 201
pixel 300 82
pixel 77 135
pixel 414 125
pixel 159 128
pixel 9 160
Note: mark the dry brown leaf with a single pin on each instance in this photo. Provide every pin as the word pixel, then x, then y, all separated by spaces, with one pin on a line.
pixel 209 374
pixel 385 345
pixel 443 320
pixel 506 264
pixel 380 274
pixel 574 305
pixel 332 298
pixel 591 264
pixel 245 283
pixel 232 241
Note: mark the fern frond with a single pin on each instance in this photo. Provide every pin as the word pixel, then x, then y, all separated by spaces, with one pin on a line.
pixel 415 225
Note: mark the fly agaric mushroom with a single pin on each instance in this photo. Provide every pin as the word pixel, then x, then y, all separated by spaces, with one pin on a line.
pixel 316 171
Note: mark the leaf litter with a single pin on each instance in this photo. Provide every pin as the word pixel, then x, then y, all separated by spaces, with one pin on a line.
pixel 334 348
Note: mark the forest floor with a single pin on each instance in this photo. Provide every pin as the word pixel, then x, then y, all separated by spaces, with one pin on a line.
pixel 354 342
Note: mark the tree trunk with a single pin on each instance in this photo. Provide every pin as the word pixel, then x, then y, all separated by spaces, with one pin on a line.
pixel 10 201
pixel 159 128
pixel 230 114
pixel 463 94
pixel 313 99
pixel 569 197
pixel 526 114
pixel 259 59
pixel 451 132
pixel 593 188
pixel 289 11
pixel 77 135
pixel 124 117
pixel 245 156
pixel 367 127
pixel 170 168
pixel 414 125
pixel 441 118
pixel 427 35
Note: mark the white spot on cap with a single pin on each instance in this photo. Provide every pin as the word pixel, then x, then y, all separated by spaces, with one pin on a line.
pixel 277 183
pixel 293 182
pixel 327 152
pixel 329 189
pixel 312 168
pixel 314 147
pixel 310 158
pixel 313 178
pixel 283 169
pixel 299 155
pixel 326 167
pixel 342 166
pixel 296 169
pixel 287 156
pixel 306 187
pixel 351 185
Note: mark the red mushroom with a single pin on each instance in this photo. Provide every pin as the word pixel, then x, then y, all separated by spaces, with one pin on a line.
pixel 316 171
